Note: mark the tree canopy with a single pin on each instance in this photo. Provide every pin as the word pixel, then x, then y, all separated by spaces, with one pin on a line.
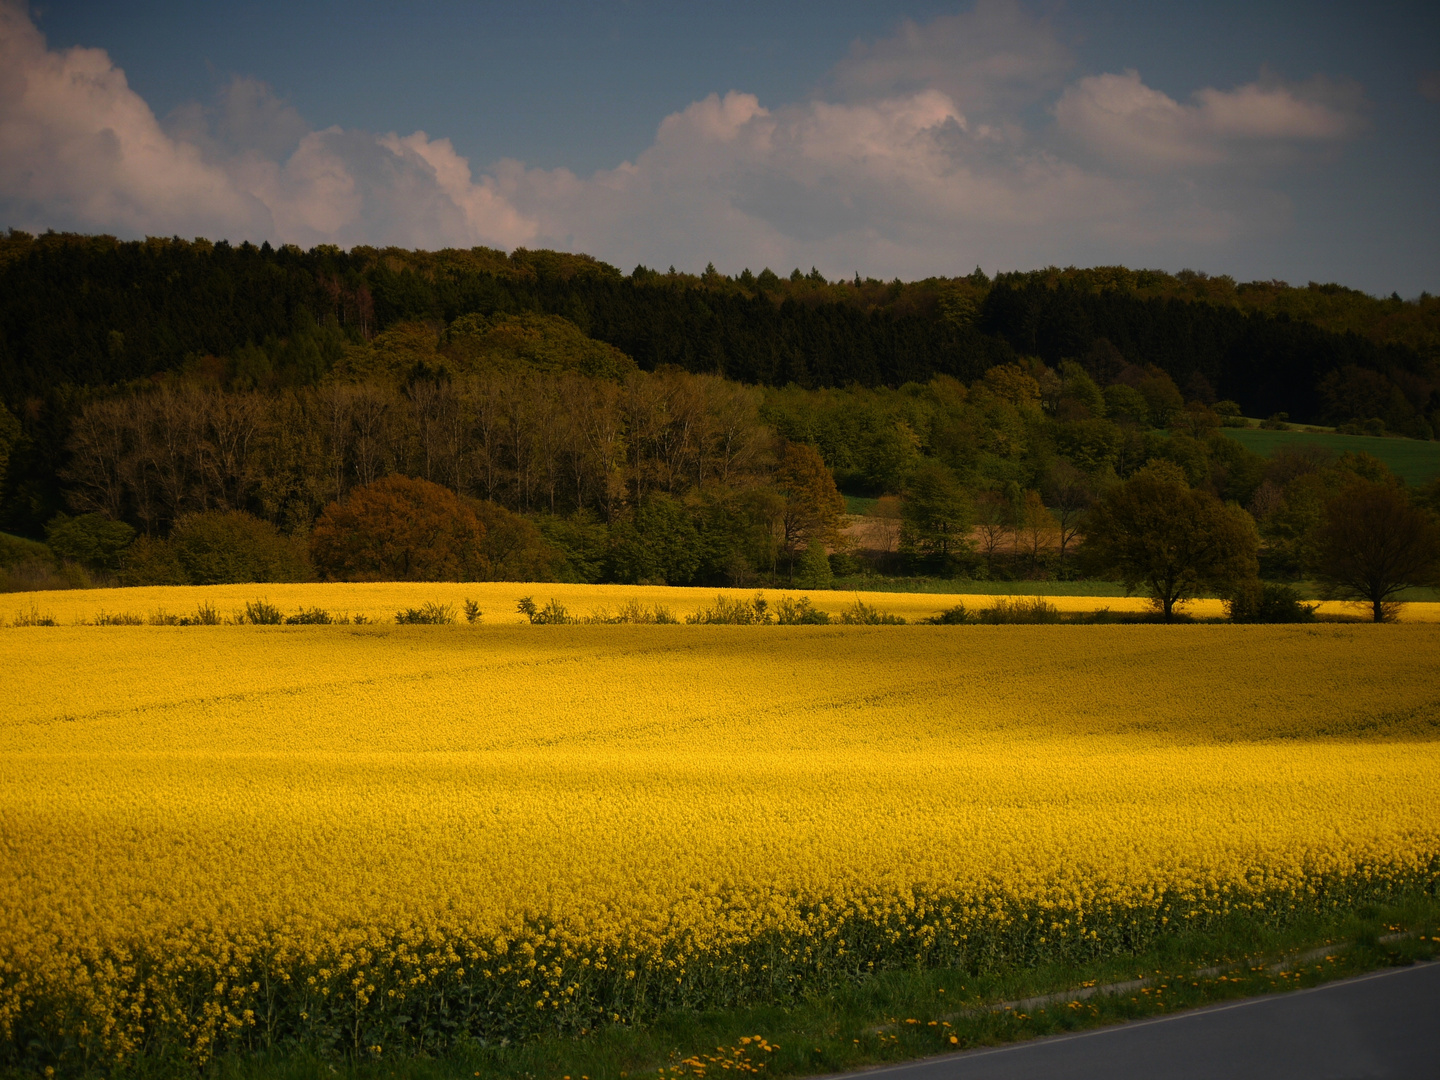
pixel 1155 531
pixel 1372 543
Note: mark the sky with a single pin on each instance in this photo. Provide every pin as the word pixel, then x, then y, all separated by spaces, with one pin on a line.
pixel 889 139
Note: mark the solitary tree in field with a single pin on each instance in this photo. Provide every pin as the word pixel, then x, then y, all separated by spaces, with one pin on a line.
pixel 1371 543
pixel 1155 531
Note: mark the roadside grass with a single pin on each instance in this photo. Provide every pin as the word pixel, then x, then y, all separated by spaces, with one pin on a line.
pixel 1413 460
pixel 900 1016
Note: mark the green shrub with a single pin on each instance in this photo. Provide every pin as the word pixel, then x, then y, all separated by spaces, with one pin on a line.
pixel 813 570
pixel 1259 602
pixel 552 614
pixel 632 611
pixel 790 612
pixel 727 612
pixel 429 614
pixel 261 613
pixel 862 614
pixel 954 616
pixel 223 547
pixel 1029 610
pixel 215 548
pixel 472 612
pixel 310 617
pixel 124 618
pixel 92 540
pixel 33 618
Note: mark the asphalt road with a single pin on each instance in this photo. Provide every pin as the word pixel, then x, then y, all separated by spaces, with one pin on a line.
pixel 1385 1024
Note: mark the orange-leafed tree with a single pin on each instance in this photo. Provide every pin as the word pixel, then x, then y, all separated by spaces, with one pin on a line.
pixel 814 510
pixel 399 529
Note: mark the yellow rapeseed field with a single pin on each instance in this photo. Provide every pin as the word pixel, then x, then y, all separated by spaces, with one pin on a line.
pixel 378 837
pixel 497 600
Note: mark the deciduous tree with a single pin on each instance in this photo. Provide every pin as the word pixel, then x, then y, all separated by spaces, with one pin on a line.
pixel 1371 544
pixel 399 529
pixel 1154 531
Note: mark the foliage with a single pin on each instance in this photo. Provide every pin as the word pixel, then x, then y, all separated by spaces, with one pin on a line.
pixel 262 613
pixel 813 570
pixel 936 515
pixel 93 540
pixel 660 546
pixel 428 614
pixel 1155 531
pixel 632 611
pixel 801 612
pixel 1371 544
pixel 1015 609
pixel 860 613
pixel 813 508
pixel 957 615
pixel 730 611
pixel 313 616
pixel 222 546
pixel 711 818
pixel 1265 602
pixel 399 529
pixel 553 613
pixel 513 546
pixel 10 433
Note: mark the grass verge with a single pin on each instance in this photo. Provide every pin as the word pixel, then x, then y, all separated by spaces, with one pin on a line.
pixel 900 1016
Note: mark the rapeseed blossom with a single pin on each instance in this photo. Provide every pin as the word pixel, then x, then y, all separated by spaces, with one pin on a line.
pixel 229 837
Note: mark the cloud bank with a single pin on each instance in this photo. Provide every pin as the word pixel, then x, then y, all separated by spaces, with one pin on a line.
pixel 922 154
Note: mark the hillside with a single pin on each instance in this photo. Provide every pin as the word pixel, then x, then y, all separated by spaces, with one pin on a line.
pixel 92 311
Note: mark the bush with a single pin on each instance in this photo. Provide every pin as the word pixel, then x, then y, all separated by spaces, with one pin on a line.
pixel 472 612
pixel 789 612
pixel 552 614
pixel 205 615
pixel 310 617
pixel 150 561
pixel 727 612
pixel 813 570
pixel 632 611
pixel 513 546
pixel 1260 602
pixel 430 614
pixel 33 618
pixel 954 616
pixel 862 614
pixel 400 529
pixel 218 547
pixel 222 547
pixel 92 540
pixel 261 613
pixel 123 618
pixel 1019 610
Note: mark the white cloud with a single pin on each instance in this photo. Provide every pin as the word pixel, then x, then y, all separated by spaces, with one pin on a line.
pixel 80 150
pixel 1129 124
pixel 994 56
pixel 915 161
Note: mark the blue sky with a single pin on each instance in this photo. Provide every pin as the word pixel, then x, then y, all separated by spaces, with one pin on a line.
pixel 1259 140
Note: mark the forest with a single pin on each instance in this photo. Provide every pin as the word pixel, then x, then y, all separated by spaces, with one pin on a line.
pixel 661 426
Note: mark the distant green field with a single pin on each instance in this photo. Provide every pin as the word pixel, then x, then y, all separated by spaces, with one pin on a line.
pixel 859 504
pixel 1415 462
